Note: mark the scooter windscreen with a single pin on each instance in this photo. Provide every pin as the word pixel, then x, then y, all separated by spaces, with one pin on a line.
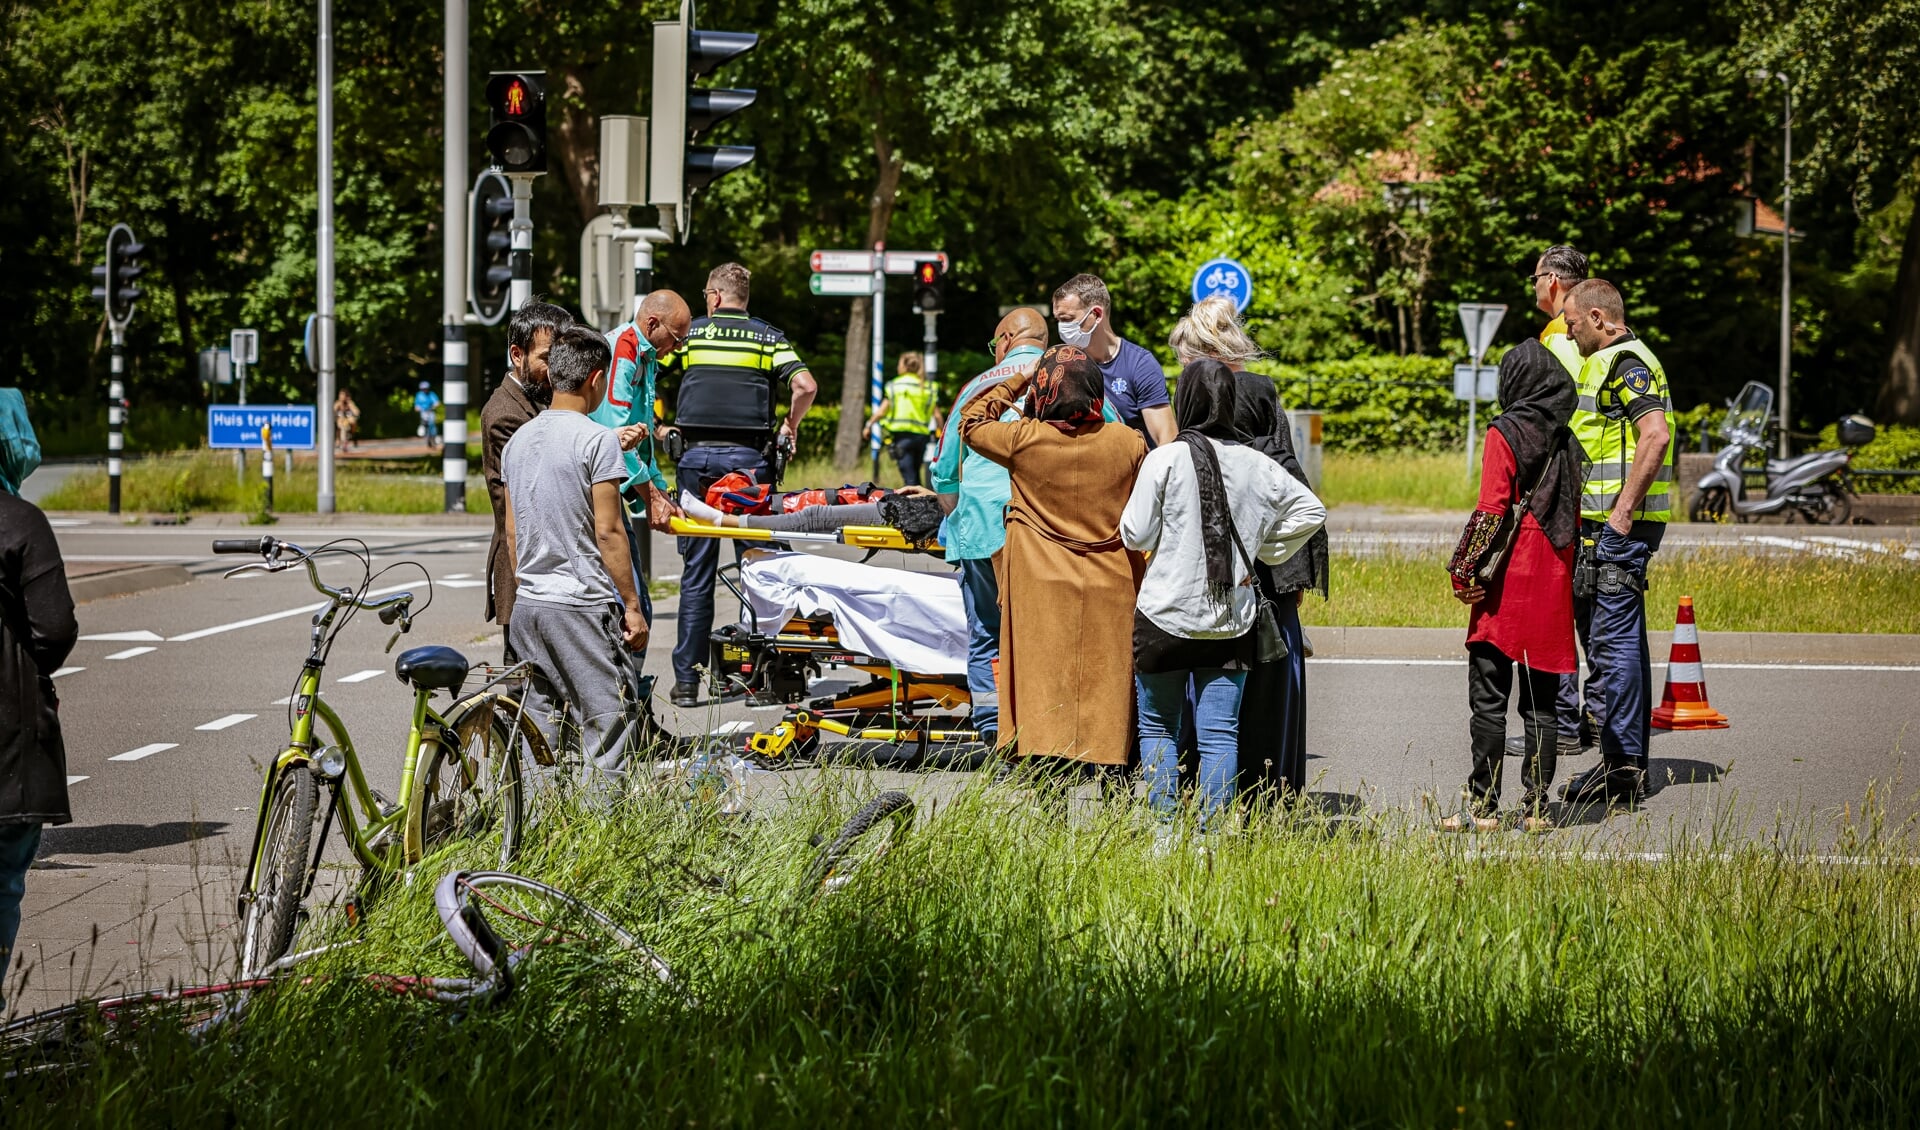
pixel 1747 414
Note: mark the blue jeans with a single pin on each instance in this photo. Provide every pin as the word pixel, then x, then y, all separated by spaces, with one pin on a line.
pixel 18 842
pixel 1617 649
pixel 1163 707
pixel 981 595
pixel 699 469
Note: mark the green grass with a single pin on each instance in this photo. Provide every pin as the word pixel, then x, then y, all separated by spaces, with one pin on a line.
pixel 1409 481
pixel 1004 966
pixel 184 482
pixel 1732 591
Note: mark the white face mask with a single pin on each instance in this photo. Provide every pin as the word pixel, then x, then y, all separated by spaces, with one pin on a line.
pixel 1072 334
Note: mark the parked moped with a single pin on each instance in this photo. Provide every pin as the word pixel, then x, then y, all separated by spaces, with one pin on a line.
pixel 1815 486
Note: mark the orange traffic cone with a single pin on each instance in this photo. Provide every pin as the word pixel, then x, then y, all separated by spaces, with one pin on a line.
pixel 1683 705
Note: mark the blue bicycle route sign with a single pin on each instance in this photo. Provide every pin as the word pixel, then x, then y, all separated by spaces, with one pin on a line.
pixel 1226 277
pixel 235 425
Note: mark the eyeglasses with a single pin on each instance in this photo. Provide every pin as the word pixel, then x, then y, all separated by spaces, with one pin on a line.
pixel 993 343
pixel 678 339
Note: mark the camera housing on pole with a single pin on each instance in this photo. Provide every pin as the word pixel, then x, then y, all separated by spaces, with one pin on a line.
pixel 624 168
pixel 682 112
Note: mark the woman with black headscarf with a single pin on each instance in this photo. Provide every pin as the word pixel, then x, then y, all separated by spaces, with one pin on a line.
pixel 1273 707
pixel 1205 507
pixel 1517 577
pixel 1066 581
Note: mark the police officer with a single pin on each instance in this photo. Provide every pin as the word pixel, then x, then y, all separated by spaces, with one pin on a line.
pixel 1626 502
pixel 730 371
pixel 909 417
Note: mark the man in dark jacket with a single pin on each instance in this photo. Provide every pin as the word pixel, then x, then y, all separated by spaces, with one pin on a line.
pixel 37 631
pixel 518 399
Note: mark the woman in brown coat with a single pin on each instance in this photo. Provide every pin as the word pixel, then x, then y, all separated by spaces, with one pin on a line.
pixel 1067 584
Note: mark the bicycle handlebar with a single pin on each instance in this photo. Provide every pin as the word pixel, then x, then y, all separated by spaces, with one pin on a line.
pixel 262 545
pixel 271 548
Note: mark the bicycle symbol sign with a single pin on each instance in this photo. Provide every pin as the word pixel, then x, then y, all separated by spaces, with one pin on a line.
pixel 1223 277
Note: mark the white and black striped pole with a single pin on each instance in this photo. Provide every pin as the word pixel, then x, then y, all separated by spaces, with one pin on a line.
pixel 520 257
pixel 453 435
pixel 453 236
pixel 116 415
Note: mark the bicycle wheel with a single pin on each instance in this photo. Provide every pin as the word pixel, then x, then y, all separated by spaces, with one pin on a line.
pixel 471 787
pixel 278 878
pixel 73 1034
pixel 864 839
pixel 499 920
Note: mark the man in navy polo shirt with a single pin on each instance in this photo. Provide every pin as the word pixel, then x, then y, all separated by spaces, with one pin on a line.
pixel 1136 385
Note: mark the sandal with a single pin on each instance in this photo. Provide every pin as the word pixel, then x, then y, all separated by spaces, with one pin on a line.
pixel 1468 822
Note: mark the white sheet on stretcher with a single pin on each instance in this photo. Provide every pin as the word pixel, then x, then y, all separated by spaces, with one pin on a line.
pixel 915 621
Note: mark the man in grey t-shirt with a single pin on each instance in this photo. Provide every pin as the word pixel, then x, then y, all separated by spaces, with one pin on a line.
pixel 576 614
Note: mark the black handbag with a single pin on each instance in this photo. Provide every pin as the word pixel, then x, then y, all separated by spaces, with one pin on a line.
pixel 1269 645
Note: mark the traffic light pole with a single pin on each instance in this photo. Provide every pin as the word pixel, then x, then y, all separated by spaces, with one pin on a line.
pixel 878 386
pixel 930 346
pixel 116 415
pixel 520 259
pixel 453 258
pixel 323 328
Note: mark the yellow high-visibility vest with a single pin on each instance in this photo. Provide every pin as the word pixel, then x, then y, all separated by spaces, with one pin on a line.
pixel 1603 423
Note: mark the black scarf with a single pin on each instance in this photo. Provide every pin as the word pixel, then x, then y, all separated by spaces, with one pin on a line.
pixel 1536 401
pixel 1263 426
pixel 1203 404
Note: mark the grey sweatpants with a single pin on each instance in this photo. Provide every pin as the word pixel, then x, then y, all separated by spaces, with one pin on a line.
pixel 817 519
pixel 578 656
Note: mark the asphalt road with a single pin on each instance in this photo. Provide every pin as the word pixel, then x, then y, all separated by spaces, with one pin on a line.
pixel 175 696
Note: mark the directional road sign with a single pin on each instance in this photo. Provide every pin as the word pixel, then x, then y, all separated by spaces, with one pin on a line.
pixel 842 284
pixel 906 262
pixel 239 426
pixel 245 346
pixel 1226 278
pixel 1470 383
pixel 831 261
pixel 1480 320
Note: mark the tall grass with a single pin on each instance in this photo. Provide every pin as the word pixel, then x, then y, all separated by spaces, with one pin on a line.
pixel 1732 591
pixel 188 481
pixel 1009 966
pixel 1399 481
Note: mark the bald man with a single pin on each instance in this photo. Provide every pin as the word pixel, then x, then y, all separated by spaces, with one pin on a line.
pixel 659 326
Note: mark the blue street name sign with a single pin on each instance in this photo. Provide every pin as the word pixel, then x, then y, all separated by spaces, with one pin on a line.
pixel 1227 277
pixel 239 425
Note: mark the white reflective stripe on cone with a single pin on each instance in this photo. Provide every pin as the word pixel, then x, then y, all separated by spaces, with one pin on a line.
pixel 1685 673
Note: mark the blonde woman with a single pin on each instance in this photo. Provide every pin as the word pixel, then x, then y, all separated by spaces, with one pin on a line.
pixel 910 417
pixel 1273 711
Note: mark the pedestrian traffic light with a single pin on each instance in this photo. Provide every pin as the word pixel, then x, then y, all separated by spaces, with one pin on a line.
pixel 682 112
pixel 116 276
pixel 926 285
pixel 489 247
pixel 517 125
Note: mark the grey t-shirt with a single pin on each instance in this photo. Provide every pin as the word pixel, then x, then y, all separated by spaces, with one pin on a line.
pixel 550 466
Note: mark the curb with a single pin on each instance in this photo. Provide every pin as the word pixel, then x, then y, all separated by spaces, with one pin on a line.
pixel 120 582
pixel 221 521
pixel 1715 647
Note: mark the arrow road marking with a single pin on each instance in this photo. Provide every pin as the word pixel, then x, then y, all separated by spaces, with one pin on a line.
pixel 229 720
pixel 64 671
pixel 143 751
pixel 71 781
pixel 131 652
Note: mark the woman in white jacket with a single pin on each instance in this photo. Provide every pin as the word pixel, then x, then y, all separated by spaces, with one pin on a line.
pixel 1194 619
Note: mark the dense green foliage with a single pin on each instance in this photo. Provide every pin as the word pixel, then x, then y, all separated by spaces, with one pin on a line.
pixel 1370 170
pixel 1003 966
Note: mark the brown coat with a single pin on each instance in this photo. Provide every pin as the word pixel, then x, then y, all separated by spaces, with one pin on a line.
pixel 1067 585
pixel 507 409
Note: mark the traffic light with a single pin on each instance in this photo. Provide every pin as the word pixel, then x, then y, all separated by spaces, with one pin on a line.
pixel 682 112
pixel 926 285
pixel 517 121
pixel 116 276
pixel 489 247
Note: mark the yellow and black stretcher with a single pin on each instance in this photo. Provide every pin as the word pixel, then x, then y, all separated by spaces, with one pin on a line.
pixel 777 668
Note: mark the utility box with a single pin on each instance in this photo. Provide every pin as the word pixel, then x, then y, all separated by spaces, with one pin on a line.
pixel 1306 442
pixel 623 161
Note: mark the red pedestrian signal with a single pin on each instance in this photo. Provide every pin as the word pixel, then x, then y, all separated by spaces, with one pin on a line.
pixel 517 130
pixel 516 98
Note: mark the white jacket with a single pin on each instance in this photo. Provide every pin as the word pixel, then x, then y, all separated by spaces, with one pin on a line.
pixel 1274 513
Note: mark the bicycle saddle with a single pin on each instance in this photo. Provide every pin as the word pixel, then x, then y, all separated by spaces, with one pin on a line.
pixel 432 668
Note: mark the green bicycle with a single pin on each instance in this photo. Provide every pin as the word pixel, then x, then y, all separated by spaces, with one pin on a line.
pixel 470 786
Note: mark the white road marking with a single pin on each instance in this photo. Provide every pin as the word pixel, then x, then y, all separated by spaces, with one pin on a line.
pixel 123 637
pixel 72 781
pixel 288 701
pixel 136 558
pixel 59 522
pixel 143 751
pixel 132 652
pixel 457 577
pixel 453 584
pixel 1876 546
pixel 229 720
pixel 362 676
pixel 303 610
pixel 64 671
pixel 737 726
pixel 1711 667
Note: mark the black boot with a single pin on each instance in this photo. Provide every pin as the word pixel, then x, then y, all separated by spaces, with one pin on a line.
pixel 1607 784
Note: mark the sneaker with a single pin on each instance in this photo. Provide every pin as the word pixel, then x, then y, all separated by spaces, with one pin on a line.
pixel 685 694
pixel 1569 745
pixel 1609 784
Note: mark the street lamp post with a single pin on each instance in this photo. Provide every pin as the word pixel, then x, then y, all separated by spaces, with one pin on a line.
pixel 1786 254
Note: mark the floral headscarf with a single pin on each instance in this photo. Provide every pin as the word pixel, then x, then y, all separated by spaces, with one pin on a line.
pixel 1068 391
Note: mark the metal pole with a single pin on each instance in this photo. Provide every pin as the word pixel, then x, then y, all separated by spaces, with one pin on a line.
pixel 1786 270
pixel 323 324
pixel 520 252
pixel 642 274
pixel 266 465
pixel 1473 413
pixel 878 389
pixel 453 260
pixel 930 346
pixel 116 411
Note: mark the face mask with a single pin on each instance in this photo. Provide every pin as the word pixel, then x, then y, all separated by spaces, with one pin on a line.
pixel 1072 334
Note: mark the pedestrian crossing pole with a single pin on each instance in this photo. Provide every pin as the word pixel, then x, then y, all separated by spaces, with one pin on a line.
pixel 878 389
pixel 116 415
pixel 454 235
